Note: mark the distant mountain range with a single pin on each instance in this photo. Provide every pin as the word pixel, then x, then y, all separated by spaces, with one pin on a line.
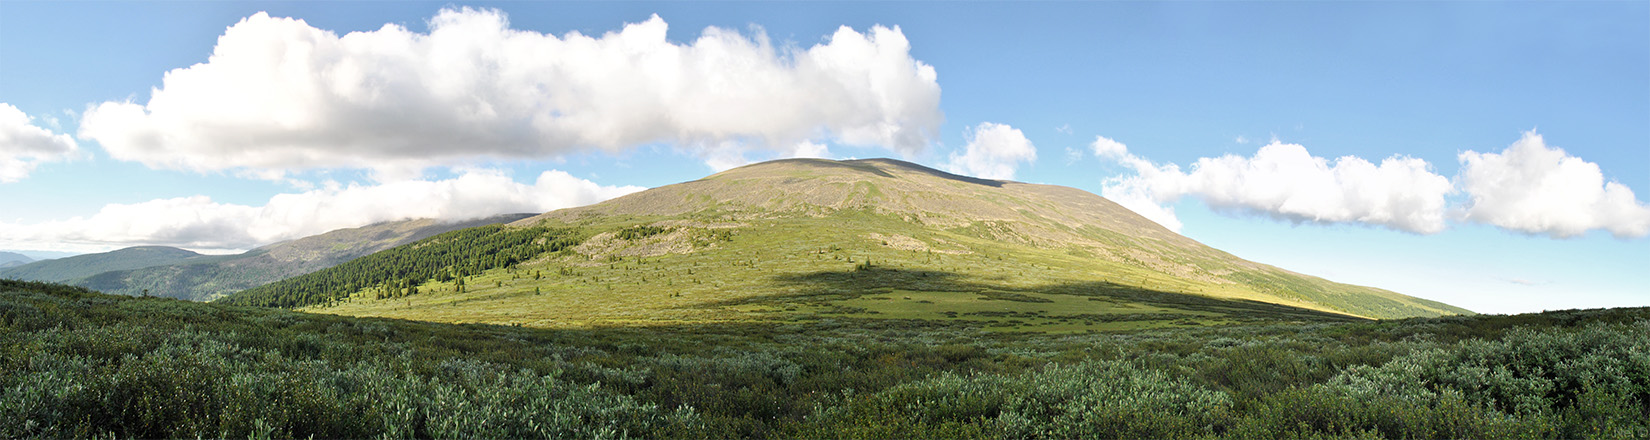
pixel 813 239
pixel 12 259
pixel 179 273
pixel 64 269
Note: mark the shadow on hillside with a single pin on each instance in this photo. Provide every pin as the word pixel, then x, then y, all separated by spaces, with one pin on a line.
pixel 932 172
pixel 841 285
pixel 959 178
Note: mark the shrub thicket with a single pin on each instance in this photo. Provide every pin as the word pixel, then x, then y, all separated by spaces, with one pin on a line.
pixel 75 363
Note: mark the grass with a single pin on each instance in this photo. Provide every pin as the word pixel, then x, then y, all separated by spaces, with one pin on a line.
pixel 1055 235
pixel 790 269
pixel 75 363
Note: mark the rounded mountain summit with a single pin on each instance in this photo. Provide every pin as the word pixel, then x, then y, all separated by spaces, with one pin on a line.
pixel 875 239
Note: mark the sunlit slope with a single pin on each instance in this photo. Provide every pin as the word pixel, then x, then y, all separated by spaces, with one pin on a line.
pixel 816 239
pixel 1045 217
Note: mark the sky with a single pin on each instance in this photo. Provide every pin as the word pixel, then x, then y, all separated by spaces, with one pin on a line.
pixel 1490 155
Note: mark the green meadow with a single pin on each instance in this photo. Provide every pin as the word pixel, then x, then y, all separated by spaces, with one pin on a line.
pixel 858 265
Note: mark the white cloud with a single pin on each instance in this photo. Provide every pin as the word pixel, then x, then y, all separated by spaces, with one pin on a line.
pixel 1532 188
pixel 728 155
pixel 994 151
pixel 1107 148
pixel 279 94
pixel 202 224
pixel 812 150
pixel 1285 181
pixel 24 145
pixel 1133 196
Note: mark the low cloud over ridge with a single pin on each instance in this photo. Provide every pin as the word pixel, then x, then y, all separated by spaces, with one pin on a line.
pixel 994 151
pixel 279 94
pixel 199 223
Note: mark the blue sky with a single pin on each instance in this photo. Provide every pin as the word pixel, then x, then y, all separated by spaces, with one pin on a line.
pixel 1494 156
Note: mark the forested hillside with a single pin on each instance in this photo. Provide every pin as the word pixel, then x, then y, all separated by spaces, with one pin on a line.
pixel 78 364
pixel 399 271
pixel 178 273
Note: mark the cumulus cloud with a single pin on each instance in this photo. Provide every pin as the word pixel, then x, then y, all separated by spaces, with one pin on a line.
pixel 200 223
pixel 24 145
pixel 1132 194
pixel 279 94
pixel 994 151
pixel 729 155
pixel 1285 181
pixel 1533 188
pixel 1107 148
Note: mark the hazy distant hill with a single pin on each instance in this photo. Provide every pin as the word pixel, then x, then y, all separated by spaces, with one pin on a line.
pixel 64 269
pixel 207 278
pixel 816 239
pixel 11 259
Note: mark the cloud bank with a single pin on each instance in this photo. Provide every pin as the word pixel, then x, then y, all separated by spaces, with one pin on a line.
pixel 278 94
pixel 1284 181
pixel 23 145
pixel 994 151
pixel 201 224
pixel 1536 189
pixel 1528 188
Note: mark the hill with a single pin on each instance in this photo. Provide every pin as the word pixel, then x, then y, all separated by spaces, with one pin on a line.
pixel 204 279
pixel 817 239
pixel 12 259
pixel 78 364
pixel 63 269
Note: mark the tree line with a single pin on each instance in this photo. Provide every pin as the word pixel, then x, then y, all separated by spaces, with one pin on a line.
pixel 398 271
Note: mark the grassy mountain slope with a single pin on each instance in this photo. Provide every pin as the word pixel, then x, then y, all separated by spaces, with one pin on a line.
pixel 63 269
pixel 78 364
pixel 207 279
pixel 818 239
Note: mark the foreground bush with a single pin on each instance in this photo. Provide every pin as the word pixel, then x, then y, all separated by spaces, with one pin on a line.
pixel 76 364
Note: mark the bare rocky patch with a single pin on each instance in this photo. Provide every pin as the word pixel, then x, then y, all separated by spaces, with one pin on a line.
pixel 906 243
pixel 656 239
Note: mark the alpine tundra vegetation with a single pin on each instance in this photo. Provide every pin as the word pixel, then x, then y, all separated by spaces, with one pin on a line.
pixel 805 239
pixel 77 363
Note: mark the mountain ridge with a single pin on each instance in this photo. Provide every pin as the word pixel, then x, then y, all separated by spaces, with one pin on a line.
pixel 13 259
pixel 68 268
pixel 205 277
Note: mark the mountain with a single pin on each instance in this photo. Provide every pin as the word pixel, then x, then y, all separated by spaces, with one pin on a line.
pixel 203 279
pixel 64 269
pixel 820 239
pixel 45 255
pixel 12 259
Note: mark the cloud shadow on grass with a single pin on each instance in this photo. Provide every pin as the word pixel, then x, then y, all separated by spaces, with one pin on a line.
pixel 827 286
